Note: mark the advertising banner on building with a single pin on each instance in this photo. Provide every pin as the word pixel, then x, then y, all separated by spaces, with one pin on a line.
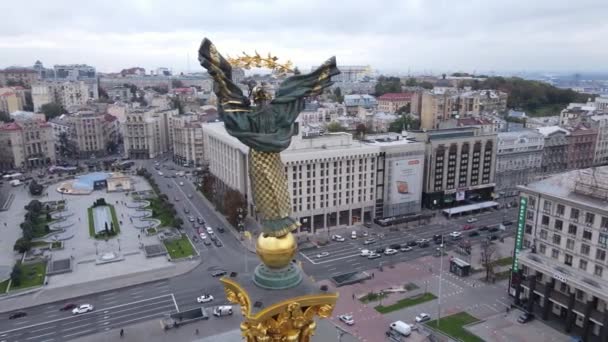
pixel 519 236
pixel 406 180
pixel 460 195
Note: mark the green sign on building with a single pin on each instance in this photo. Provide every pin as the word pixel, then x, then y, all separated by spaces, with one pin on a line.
pixel 521 225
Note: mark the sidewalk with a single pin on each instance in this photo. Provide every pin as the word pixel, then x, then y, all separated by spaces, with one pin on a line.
pixel 46 295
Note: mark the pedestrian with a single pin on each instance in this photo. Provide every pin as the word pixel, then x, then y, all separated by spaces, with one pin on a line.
pixel 353 296
pixel 196 331
pixel 373 275
pixel 122 333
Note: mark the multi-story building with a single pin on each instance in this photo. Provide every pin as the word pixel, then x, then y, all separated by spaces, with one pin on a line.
pixel 321 113
pixel 333 180
pixel 93 132
pixel 560 253
pixel 355 101
pixel 555 149
pixel 61 128
pixel 79 72
pixel 519 158
pixel 581 147
pixel 141 82
pixel 491 101
pixel 460 165
pixel 26 143
pixel 147 132
pixel 119 93
pixel 351 73
pixel 600 122
pixel 66 93
pixel 188 140
pixel 12 99
pixel 392 102
pixel 18 76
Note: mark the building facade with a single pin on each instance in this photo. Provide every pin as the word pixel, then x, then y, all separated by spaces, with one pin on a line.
pixel 147 132
pixel 581 147
pixel 460 166
pixel 392 102
pixel 66 93
pixel 188 140
pixel 26 144
pixel 355 101
pixel 600 122
pixel 12 99
pixel 560 268
pixel 519 159
pixel 93 132
pixel 555 149
pixel 18 76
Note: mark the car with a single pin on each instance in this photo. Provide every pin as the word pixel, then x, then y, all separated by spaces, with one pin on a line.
pixel 207 242
pixel 406 249
pixel 365 252
pixel 484 228
pixel 390 251
pixel 369 241
pixel 17 314
pixel 493 229
pixel 220 229
pixel 338 238
pixel 425 244
pixel 473 233
pixel 493 237
pixel 380 250
pixel 222 310
pixel 218 273
pixel 525 318
pixel 507 223
pixel 437 237
pixel 212 237
pixel 395 246
pixel 347 319
pixel 181 183
pixel 467 227
pixel 372 256
pixel 206 298
pixel 186 211
pixel 176 199
pixel 68 306
pixel 455 235
pixel 194 238
pixel 191 219
pixel 203 236
pixel 189 195
pixel 412 243
pixel 365 234
pixel 200 220
pixel 218 243
pixel 322 255
pixel 423 317
pixel 420 241
pixel 471 220
pixel 209 230
pixel 439 241
pixel 353 235
pixel 84 308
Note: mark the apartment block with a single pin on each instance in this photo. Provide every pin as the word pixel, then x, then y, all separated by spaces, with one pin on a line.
pixel 555 158
pixel 581 146
pixel 392 102
pixel 519 159
pixel 12 99
pixel 600 122
pixel 147 132
pixel 18 76
pixel 93 132
pixel 67 93
pixel 26 143
pixel 188 140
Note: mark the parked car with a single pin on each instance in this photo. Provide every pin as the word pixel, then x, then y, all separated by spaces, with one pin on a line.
pixel 203 236
pixel 369 241
pixel 420 241
pixel 365 234
pixel 412 243
pixel 207 242
pixel 200 220
pixel 191 218
pixel 181 183
pixel 218 243
pixel 423 317
pixel 176 199
pixel 194 238
pixel 353 235
pixel 507 223
pixel 209 230
pixel 372 256
pixel 390 251
pixel 380 250
pixel 338 238
pixel 347 319
pixel 17 314
pixel 212 237
pixel 84 308
pixel 68 306
pixel 473 233
pixel 472 219
pixel 223 310
pixel 218 273
pixel 322 255
pixel 206 298
pixel 406 249
pixel 220 229
pixel 365 252
pixel 424 244
pixel 395 246
pixel 525 318
pixel 437 237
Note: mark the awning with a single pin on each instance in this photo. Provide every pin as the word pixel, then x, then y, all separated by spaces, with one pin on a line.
pixel 470 207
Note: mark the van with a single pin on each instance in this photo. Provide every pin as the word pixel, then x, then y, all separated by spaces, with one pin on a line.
pixel 224 310
pixel 401 327
pixel 353 235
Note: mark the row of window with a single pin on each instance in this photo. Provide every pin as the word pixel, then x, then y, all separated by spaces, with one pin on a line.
pixel 575 214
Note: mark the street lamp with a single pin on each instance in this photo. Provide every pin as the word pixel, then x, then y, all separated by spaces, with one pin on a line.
pixel 440 281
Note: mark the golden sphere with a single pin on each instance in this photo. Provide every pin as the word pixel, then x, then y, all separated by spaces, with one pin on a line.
pixel 276 252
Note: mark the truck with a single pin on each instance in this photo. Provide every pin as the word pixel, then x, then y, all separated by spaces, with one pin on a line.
pixel 401 328
pixel 177 319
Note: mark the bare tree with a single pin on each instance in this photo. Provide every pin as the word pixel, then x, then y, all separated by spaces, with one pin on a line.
pixel 489 255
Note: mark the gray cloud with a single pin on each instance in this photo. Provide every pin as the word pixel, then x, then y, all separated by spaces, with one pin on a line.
pixel 391 35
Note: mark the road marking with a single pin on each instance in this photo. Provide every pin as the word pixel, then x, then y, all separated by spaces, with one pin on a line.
pixel 49 340
pixel 82 315
pixel 138 318
pixel 21 322
pixel 77 327
pixel 175 302
pixel 161 311
pixel 38 336
pixel 50 327
pixel 79 333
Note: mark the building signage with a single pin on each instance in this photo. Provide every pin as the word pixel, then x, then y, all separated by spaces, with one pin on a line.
pixel 560 277
pixel 521 224
pixel 406 180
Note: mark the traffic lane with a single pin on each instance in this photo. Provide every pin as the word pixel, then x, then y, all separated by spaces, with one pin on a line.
pixel 73 325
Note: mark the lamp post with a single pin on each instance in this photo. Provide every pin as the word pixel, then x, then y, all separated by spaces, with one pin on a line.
pixel 440 282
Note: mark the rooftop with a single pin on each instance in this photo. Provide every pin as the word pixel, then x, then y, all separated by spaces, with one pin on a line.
pixel 548 130
pixel 395 97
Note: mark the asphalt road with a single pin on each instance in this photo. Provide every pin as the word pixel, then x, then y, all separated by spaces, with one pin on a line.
pixel 346 255
pixel 121 307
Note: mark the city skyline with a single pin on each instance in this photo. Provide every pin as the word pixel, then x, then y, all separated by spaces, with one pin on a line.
pixel 392 36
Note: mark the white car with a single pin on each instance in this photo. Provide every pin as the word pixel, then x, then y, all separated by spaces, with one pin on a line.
pixel 347 319
pixel 365 252
pixel 209 230
pixel 203 236
pixel 423 317
pixel 406 249
pixel 181 183
pixel 338 238
pixel 390 251
pixel 84 308
pixel 322 255
pixel 204 298
pixel 455 235
pixel 471 220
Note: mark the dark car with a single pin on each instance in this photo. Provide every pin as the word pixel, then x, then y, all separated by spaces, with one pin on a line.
pixel 493 237
pixel 507 223
pixel 437 237
pixel 423 245
pixel 218 273
pixel 525 318
pixel 412 243
pixel 17 314
pixel 68 306
pixel 493 229
pixel 218 243
pixel 395 246
pixel 484 228
pixel 380 250
pixel 473 233
pixel 220 229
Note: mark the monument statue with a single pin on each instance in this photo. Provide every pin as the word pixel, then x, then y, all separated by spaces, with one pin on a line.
pixel 266 125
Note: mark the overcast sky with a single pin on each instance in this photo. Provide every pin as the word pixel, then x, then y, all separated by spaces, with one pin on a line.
pixel 390 35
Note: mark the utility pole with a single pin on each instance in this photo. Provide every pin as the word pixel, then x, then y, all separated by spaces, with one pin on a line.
pixel 440 281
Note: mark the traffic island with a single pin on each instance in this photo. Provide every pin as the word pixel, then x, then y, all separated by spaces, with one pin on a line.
pixel 179 248
pixel 453 326
pixel 406 302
